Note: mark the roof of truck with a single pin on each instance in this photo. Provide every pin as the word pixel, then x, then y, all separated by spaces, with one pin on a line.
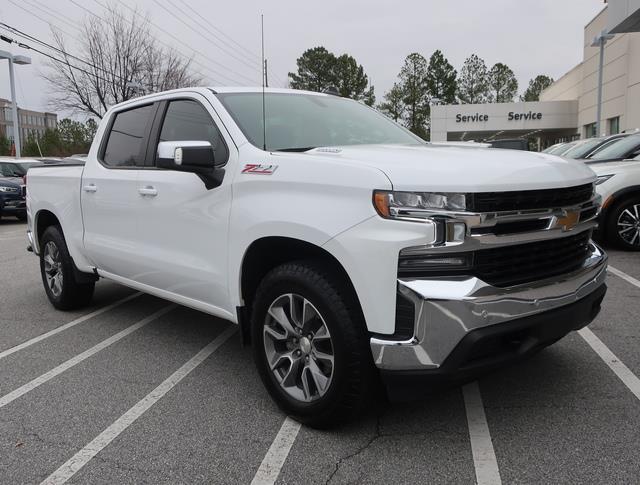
pixel 258 89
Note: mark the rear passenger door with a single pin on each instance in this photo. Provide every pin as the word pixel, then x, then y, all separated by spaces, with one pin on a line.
pixel 183 225
pixel 109 192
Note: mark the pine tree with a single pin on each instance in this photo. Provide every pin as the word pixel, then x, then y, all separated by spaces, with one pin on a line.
pixel 503 84
pixel 441 78
pixel 415 94
pixel 473 87
pixel 393 104
pixel 536 86
pixel 319 69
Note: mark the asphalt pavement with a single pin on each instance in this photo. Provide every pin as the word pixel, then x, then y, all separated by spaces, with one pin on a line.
pixel 136 390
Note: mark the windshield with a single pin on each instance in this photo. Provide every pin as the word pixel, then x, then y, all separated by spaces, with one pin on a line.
pixel 583 149
pixel 564 148
pixel 299 122
pixel 623 148
pixel 12 170
pixel 553 148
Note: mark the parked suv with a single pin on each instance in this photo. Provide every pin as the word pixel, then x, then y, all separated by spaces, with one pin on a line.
pixel 12 200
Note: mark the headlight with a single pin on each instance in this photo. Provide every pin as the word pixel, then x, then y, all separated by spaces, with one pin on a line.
pixel 4 188
pixel 603 178
pixel 411 205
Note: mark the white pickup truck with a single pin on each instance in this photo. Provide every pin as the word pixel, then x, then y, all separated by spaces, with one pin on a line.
pixel 348 250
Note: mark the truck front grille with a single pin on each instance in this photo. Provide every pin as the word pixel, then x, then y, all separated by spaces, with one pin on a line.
pixel 514 265
pixel 506 265
pixel 529 199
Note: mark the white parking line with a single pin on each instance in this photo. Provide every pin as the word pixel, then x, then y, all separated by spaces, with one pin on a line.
pixel 622 371
pixel 66 326
pixel 273 461
pixel 624 276
pixel 38 381
pixel 82 457
pixel 484 457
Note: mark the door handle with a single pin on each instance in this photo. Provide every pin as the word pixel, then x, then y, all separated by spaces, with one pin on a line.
pixel 148 190
pixel 90 188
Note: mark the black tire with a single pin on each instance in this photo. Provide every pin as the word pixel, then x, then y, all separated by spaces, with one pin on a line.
pixel 22 217
pixel 623 216
pixel 69 294
pixel 353 373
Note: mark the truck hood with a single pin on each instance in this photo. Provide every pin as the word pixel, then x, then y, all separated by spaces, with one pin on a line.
pixel 463 169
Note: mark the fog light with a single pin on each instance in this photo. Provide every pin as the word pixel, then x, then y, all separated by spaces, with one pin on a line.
pixel 413 260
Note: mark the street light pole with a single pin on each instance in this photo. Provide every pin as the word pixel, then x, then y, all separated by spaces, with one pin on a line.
pixel 20 60
pixel 14 109
pixel 600 41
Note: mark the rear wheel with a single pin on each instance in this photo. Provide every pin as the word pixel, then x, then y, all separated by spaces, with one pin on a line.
pixel 58 273
pixel 310 346
pixel 623 224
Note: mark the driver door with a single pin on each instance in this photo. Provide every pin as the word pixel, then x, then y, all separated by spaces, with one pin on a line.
pixel 182 225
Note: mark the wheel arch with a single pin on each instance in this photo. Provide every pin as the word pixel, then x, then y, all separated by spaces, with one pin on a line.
pixel 266 253
pixel 43 219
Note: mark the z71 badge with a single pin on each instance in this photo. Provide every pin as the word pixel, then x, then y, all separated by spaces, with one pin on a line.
pixel 259 169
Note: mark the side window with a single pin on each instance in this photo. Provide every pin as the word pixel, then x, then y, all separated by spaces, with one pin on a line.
pixel 125 144
pixel 187 120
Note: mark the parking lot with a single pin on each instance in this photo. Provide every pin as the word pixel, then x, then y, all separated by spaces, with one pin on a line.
pixel 135 390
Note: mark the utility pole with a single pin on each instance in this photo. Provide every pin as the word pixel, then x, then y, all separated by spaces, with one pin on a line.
pixel 20 60
pixel 266 75
pixel 600 41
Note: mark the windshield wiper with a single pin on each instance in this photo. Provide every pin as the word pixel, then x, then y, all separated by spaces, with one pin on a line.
pixel 297 149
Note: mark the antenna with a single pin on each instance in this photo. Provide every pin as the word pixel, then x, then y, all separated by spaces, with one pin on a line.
pixel 264 116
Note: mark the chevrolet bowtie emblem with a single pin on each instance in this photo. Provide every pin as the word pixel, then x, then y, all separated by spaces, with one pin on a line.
pixel 569 220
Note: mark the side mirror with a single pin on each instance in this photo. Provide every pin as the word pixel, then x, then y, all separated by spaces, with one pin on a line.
pixel 190 156
pixel 186 156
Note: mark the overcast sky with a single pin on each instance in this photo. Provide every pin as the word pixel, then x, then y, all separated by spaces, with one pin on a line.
pixel 531 36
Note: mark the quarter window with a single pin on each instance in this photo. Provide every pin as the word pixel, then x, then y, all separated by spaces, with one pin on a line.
pixel 187 120
pixel 125 146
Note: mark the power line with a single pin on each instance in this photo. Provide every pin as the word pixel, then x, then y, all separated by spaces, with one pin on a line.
pixel 39 5
pixel 61 61
pixel 201 34
pixel 24 35
pixel 136 13
pixel 251 53
pixel 50 24
pixel 207 24
pixel 251 64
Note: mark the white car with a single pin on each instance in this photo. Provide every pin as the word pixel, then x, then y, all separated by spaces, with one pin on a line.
pixel 346 248
pixel 619 185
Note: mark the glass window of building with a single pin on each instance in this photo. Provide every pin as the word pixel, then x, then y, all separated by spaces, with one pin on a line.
pixel 590 130
pixel 614 125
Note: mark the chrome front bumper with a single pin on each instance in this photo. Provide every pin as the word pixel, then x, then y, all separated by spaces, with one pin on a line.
pixel 31 247
pixel 446 309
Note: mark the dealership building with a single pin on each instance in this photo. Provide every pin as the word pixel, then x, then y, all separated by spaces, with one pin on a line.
pixel 568 108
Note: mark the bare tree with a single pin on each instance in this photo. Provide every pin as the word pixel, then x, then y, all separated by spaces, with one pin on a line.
pixel 118 58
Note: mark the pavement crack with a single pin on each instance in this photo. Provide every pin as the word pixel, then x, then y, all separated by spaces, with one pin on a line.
pixel 377 434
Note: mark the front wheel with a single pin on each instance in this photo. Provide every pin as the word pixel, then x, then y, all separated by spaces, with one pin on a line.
pixel 623 224
pixel 310 346
pixel 58 275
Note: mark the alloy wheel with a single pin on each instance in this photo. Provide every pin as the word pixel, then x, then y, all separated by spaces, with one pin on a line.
pixel 628 225
pixel 53 268
pixel 298 347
